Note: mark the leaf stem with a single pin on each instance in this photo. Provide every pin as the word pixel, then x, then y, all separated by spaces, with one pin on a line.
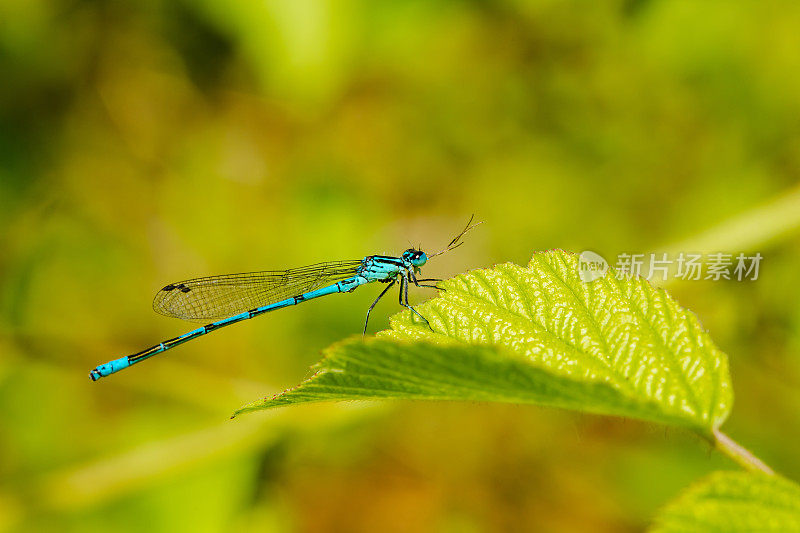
pixel 739 454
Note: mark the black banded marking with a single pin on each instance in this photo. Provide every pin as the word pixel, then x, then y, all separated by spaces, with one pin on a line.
pixel 277 305
pixel 144 354
pixel 347 285
pixel 299 298
pixel 389 259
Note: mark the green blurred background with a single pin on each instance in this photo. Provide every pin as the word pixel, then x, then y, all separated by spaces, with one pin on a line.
pixel 146 142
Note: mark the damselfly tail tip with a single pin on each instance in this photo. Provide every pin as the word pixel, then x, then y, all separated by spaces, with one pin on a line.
pixel 95 375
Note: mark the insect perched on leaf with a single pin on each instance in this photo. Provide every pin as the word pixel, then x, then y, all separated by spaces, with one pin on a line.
pixel 232 298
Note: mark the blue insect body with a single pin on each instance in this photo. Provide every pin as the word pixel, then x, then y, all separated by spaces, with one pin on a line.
pixel 236 297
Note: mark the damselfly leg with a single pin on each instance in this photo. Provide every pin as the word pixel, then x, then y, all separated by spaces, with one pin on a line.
pixel 403 298
pixel 389 286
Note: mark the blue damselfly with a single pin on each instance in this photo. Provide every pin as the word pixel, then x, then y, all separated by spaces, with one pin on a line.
pixel 235 297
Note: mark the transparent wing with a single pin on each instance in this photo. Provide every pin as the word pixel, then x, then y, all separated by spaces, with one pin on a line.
pixel 216 297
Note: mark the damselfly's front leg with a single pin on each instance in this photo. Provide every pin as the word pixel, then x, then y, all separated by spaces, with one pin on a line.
pixel 417 282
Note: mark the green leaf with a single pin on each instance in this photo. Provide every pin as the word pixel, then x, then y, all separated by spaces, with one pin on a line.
pixel 537 335
pixel 734 501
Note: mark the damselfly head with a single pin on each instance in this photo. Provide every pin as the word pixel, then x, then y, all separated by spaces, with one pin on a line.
pixel 456 242
pixel 416 257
